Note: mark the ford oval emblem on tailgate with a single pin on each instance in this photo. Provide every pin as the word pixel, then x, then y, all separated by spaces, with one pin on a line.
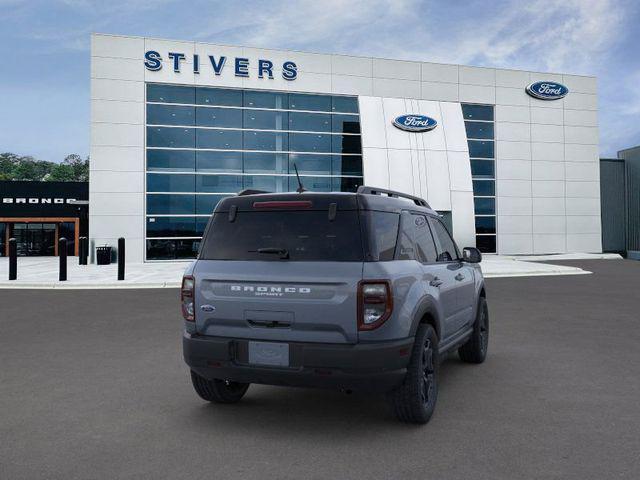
pixel 207 308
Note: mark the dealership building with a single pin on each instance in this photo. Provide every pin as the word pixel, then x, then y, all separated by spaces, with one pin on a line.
pixel 508 157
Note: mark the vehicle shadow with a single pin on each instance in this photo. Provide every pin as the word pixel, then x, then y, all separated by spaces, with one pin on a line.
pixel 283 410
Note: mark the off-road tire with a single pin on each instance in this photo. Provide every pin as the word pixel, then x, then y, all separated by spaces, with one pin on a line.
pixel 415 400
pixel 218 391
pixel 475 349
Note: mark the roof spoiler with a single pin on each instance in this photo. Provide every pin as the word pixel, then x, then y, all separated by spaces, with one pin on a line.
pixel 364 190
pixel 249 191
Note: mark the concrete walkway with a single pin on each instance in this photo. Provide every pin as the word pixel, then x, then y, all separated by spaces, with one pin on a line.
pixel 42 272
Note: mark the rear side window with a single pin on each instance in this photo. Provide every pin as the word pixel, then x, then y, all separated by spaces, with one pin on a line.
pixel 382 228
pixel 426 248
pixel 447 250
pixel 266 235
pixel 415 241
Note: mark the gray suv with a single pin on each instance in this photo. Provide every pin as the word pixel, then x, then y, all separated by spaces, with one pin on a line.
pixel 361 291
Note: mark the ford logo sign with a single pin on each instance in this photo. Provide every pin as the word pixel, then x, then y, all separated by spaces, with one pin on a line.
pixel 415 123
pixel 547 90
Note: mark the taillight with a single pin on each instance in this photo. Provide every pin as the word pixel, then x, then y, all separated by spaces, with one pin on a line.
pixel 375 303
pixel 186 297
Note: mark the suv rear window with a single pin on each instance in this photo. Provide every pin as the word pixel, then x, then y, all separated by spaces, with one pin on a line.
pixel 267 235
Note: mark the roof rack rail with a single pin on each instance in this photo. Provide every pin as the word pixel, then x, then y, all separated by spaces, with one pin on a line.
pixel 250 191
pixel 391 193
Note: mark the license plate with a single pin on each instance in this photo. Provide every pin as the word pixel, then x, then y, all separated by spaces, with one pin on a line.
pixel 269 353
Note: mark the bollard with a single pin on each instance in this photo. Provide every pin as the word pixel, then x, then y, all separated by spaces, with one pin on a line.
pixel 121 254
pixel 85 260
pixel 13 259
pixel 62 253
pixel 80 250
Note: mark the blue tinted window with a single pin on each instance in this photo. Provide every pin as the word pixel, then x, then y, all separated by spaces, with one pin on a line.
pixel 346 144
pixel 346 184
pixel 170 204
pixel 485 206
pixel 477 112
pixel 482 168
pixel 316 103
pixel 219 96
pixel 347 165
pixel 265 141
pixel 486 243
pixel 485 224
pixel 222 139
pixel 310 122
pixel 479 129
pixel 318 164
pixel 174 160
pixel 310 142
pixel 269 183
pixel 205 204
pixel 201 225
pixel 171 227
pixel 218 183
pixel 313 184
pixel 345 104
pixel 170 137
pixel 170 182
pixel 345 124
pixel 172 249
pixel 265 120
pixel 169 114
pixel 481 149
pixel 484 188
pixel 170 94
pixel 260 162
pixel 258 99
pixel 219 117
pixel 218 161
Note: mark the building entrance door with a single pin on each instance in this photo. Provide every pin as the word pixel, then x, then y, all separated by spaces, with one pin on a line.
pixel 35 239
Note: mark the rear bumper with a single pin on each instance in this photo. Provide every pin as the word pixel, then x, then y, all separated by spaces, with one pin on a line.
pixel 379 366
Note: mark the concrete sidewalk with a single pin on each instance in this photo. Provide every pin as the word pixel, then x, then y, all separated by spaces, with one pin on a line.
pixel 42 272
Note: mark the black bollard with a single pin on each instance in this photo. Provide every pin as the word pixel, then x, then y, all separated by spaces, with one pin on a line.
pixel 62 253
pixel 85 260
pixel 13 259
pixel 121 258
pixel 80 250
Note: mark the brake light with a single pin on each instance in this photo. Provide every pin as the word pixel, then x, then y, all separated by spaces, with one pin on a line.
pixel 284 204
pixel 186 297
pixel 375 303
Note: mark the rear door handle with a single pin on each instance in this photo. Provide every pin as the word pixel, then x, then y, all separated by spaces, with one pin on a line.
pixel 436 282
pixel 459 277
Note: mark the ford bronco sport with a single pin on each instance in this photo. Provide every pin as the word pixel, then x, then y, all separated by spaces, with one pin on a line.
pixel 355 291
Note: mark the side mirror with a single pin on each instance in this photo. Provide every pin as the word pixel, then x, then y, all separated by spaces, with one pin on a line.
pixel 471 255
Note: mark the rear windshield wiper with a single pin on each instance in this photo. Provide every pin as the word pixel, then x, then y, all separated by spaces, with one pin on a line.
pixel 283 252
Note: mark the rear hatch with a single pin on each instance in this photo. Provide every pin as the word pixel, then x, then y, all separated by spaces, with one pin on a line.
pixel 281 267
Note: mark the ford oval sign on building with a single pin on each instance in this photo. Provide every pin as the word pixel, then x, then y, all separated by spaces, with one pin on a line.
pixel 415 123
pixel 547 90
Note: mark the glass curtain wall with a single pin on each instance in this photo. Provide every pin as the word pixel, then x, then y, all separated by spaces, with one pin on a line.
pixel 204 143
pixel 479 124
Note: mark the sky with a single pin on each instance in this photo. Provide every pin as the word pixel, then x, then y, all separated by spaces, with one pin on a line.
pixel 44 78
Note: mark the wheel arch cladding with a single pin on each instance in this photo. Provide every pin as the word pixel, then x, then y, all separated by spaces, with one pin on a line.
pixel 427 313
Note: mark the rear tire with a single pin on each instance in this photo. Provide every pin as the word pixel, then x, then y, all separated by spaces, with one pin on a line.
pixel 475 349
pixel 218 391
pixel 415 400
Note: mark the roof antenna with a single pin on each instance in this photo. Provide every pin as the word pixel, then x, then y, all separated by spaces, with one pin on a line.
pixel 300 188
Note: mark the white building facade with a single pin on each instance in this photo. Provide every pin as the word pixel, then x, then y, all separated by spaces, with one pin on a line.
pixel 177 125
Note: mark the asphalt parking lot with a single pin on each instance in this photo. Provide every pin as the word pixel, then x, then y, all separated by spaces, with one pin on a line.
pixel 92 385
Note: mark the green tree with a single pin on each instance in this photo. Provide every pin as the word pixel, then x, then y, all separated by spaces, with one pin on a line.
pixel 61 173
pixel 16 167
